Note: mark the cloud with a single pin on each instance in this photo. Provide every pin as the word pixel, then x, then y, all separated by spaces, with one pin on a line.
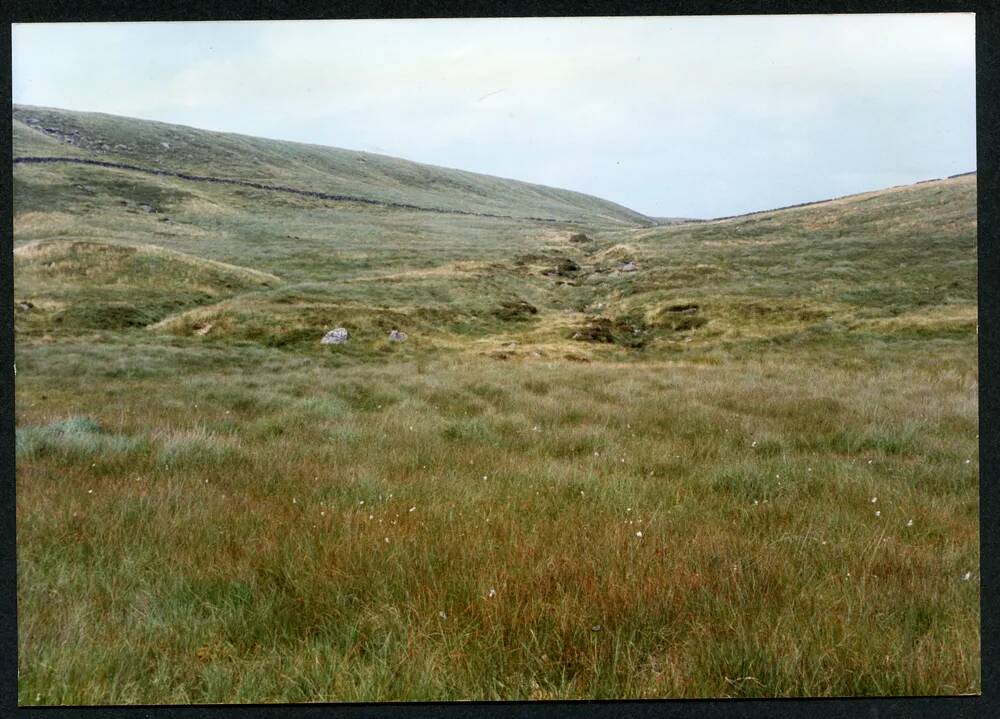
pixel 694 116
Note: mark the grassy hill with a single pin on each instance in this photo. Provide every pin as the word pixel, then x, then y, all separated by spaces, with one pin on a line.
pixel 40 131
pixel 77 285
pixel 724 458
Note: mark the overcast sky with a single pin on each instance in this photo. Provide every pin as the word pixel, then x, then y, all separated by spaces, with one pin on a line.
pixel 682 117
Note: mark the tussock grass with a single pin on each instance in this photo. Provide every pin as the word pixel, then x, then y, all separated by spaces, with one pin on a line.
pixel 73 438
pixel 749 519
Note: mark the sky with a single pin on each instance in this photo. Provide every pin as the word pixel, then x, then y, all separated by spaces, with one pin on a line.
pixel 674 117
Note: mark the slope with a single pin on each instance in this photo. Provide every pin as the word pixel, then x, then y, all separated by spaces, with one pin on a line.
pixel 897 264
pixel 40 131
pixel 79 285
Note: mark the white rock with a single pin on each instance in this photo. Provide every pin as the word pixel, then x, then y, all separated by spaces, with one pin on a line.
pixel 335 337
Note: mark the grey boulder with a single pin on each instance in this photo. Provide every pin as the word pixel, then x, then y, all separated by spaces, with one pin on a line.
pixel 335 337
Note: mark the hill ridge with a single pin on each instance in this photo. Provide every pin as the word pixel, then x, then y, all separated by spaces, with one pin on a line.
pixel 810 203
pixel 40 131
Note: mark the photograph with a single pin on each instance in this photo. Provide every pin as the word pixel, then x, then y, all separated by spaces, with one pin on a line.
pixel 495 359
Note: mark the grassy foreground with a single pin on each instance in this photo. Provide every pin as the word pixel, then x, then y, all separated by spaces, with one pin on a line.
pixel 488 532
pixel 747 469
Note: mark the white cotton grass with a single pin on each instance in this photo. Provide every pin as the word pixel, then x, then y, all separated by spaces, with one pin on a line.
pixel 639 534
pixel 492 593
pixel 909 522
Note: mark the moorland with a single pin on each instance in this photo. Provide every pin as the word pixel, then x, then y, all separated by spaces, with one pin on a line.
pixel 616 456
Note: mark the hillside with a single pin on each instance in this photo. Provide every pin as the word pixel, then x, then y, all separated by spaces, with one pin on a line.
pixel 79 285
pixel 826 272
pixel 50 132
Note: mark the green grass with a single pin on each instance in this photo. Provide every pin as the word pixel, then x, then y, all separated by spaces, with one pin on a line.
pixel 241 514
